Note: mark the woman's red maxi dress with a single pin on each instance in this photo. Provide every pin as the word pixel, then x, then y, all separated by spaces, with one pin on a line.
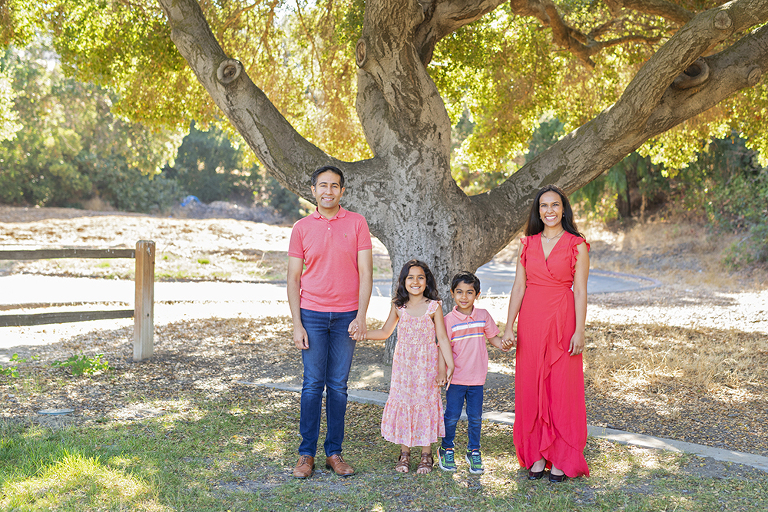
pixel 550 413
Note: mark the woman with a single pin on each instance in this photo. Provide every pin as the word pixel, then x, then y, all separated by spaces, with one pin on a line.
pixel 550 414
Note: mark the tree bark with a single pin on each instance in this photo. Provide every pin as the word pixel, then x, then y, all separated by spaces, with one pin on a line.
pixel 406 191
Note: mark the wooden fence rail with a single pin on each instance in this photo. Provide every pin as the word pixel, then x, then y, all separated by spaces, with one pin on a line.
pixel 143 312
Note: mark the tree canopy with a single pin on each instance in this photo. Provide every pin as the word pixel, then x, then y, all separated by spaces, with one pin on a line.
pixel 71 147
pixel 517 64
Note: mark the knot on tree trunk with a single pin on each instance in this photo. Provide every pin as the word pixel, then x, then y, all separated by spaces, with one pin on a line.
pixel 228 71
pixel 723 20
pixel 696 74
pixel 754 76
pixel 360 53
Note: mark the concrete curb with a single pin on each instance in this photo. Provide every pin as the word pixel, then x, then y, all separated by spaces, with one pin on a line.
pixel 609 434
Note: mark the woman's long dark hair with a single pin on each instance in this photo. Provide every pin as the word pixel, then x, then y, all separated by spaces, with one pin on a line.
pixel 430 292
pixel 536 225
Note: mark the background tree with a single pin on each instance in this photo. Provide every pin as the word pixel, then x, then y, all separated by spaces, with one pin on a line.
pixel 8 118
pixel 616 74
pixel 69 147
pixel 210 168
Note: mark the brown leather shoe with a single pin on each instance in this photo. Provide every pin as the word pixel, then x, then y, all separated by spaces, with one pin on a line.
pixel 304 467
pixel 338 465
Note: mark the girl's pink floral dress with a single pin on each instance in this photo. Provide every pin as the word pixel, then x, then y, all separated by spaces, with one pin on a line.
pixel 413 415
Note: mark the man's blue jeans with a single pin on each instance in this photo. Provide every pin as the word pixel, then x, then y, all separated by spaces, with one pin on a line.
pixel 454 401
pixel 326 367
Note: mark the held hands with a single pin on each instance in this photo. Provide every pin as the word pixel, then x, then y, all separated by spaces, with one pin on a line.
pixel 509 340
pixel 357 329
pixel 444 376
pixel 440 378
pixel 499 344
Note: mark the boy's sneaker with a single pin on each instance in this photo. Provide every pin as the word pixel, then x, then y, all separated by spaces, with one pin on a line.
pixel 475 462
pixel 445 459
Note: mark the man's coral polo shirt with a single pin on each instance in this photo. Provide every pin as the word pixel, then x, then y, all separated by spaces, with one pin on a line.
pixel 330 281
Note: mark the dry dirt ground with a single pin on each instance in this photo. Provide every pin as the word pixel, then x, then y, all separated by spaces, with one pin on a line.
pixel 684 360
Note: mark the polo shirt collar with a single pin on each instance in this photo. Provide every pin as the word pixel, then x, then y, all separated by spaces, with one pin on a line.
pixel 339 214
pixel 462 316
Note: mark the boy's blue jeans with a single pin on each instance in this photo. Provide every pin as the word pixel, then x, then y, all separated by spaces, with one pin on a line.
pixel 327 362
pixel 454 401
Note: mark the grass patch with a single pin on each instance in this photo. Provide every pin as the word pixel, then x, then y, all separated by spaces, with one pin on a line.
pixel 237 453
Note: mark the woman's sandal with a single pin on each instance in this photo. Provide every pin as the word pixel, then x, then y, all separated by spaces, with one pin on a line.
pixel 426 463
pixel 403 463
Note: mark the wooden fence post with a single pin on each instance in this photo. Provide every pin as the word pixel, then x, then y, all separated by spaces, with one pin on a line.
pixel 144 312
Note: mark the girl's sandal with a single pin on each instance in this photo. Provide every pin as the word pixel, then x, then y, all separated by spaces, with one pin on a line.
pixel 403 463
pixel 425 465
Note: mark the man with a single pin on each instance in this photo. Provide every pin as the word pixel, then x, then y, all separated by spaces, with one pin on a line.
pixel 328 300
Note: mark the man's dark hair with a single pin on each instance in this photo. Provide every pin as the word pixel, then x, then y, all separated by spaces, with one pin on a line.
pixel 326 168
pixel 468 278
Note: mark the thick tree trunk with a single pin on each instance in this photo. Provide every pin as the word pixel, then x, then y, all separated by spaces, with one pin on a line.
pixel 406 191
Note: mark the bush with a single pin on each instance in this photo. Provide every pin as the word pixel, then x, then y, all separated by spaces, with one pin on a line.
pixel 727 185
pixel 284 201
pixel 129 190
pixel 209 167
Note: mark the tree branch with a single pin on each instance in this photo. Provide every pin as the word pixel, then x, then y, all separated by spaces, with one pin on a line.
pixel 393 73
pixel 287 155
pixel 443 17
pixel 584 46
pixel 703 32
pixel 667 10
pixel 649 106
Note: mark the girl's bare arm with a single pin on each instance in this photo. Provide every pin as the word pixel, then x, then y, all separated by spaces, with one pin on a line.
pixel 387 329
pixel 445 346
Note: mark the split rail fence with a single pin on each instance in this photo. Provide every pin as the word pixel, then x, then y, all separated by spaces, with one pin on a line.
pixel 143 312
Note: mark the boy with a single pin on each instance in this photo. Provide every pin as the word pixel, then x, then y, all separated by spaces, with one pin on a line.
pixel 467 327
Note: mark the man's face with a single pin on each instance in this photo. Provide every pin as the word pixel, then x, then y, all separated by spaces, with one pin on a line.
pixel 328 190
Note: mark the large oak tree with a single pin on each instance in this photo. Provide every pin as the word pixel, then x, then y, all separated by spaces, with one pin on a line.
pixel 406 190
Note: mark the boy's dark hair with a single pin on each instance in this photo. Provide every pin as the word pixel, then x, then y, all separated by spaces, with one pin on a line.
pixel 466 277
pixel 326 168
pixel 401 295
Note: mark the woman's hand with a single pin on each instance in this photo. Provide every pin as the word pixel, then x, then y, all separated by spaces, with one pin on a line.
pixel 577 343
pixel 509 340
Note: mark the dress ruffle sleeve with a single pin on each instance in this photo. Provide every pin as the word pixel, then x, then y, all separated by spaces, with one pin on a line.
pixel 524 250
pixel 575 242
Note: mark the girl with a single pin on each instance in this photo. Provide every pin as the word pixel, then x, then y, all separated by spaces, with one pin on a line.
pixel 413 414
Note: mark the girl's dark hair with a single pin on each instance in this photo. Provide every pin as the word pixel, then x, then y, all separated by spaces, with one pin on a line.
pixel 430 292
pixel 536 225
